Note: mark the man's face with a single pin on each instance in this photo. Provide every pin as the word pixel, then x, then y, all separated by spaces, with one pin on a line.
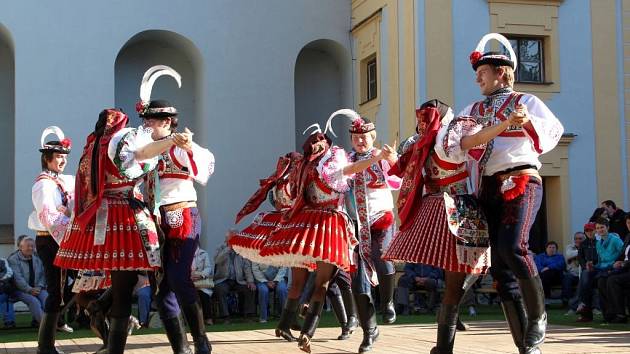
pixel 488 78
pixel 362 143
pixel 601 229
pixel 628 224
pixel 609 210
pixel 58 162
pixel 161 127
pixel 551 249
pixel 27 246
pixel 589 233
pixel 578 238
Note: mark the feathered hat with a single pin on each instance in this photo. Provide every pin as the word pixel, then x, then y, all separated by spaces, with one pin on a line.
pixel 156 108
pixel 63 145
pixel 358 125
pixel 478 57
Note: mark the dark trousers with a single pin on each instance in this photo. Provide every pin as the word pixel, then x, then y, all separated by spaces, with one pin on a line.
pixel 550 278
pixel 588 282
pixel 222 290
pixel 177 284
pixel 123 283
pixel 406 284
pixel 616 292
pixel 47 250
pixel 568 283
pixel 509 223
pixel 206 304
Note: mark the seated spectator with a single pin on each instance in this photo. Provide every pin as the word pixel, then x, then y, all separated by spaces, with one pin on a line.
pixel 572 271
pixel 143 292
pixel 28 272
pixel 233 273
pixel 608 249
pixel 269 278
pixel 550 265
pixel 615 289
pixel 418 277
pixel 597 213
pixel 6 289
pixel 201 274
pixel 616 218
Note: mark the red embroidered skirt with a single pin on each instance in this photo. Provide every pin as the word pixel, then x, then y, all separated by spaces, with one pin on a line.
pixel 312 235
pixel 130 242
pixel 428 239
pixel 250 241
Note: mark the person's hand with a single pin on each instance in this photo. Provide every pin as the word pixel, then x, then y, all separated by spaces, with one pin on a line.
pixel 195 277
pixel 35 291
pixel 271 284
pixel 417 279
pixel 520 116
pixel 251 286
pixel 618 265
pixel 421 281
pixel 183 139
pixel 544 269
pixel 589 266
pixel 389 153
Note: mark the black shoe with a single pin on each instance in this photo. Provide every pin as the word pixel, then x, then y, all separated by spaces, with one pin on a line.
pixel 194 318
pixel 447 327
pixel 517 321
pixel 338 307
pixel 367 319
pixel 618 319
pixel 534 300
pixel 386 290
pixel 461 326
pixel 98 324
pixel 117 339
pixel 46 334
pixel 176 335
pixel 351 309
pixel 287 319
pixel 311 321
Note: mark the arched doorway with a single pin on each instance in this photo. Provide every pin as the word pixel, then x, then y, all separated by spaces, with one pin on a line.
pixel 322 85
pixel 7 135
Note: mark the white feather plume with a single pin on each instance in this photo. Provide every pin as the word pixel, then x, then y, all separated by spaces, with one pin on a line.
pixel 346 112
pixel 501 39
pixel 149 77
pixel 314 125
pixel 53 129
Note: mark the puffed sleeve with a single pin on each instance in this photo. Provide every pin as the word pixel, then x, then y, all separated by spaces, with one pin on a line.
pixel 199 161
pixel 55 218
pixel 122 148
pixel 330 168
pixel 543 128
pixel 393 181
pixel 448 140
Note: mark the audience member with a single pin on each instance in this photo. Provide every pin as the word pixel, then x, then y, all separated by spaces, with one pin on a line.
pixel 233 273
pixel 269 278
pixel 598 213
pixel 608 249
pixel 616 218
pixel 550 265
pixel 418 277
pixel 615 288
pixel 201 273
pixel 572 272
pixel 7 288
pixel 28 272
pixel 143 292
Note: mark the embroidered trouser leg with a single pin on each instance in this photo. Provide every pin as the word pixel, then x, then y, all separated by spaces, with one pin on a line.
pixel 177 284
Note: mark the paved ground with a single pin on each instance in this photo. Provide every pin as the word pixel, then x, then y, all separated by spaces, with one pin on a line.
pixel 484 337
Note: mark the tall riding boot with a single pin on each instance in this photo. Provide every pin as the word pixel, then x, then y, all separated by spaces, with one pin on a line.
pixel 194 318
pixel 176 335
pixel 310 325
pixel 336 301
pixel 97 310
pixel 447 323
pixel 387 298
pixel 534 299
pixel 46 335
pixel 288 316
pixel 367 319
pixel 516 317
pixel 351 309
pixel 117 339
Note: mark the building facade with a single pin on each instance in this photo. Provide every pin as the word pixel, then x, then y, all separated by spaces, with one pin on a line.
pixel 257 73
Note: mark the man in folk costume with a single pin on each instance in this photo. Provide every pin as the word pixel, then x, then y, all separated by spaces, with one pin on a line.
pixel 372 204
pixel 518 128
pixel 52 196
pixel 112 230
pixel 174 195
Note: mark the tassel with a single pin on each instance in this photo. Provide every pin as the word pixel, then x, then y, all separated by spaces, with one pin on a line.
pixel 516 187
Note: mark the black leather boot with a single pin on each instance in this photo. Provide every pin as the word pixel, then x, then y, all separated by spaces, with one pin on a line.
pixel 287 317
pixel 310 325
pixel 516 317
pixel 117 339
pixel 176 335
pixel 351 309
pixel 447 327
pixel 367 319
pixel 387 298
pixel 194 317
pixel 534 299
pixel 340 312
pixel 46 334
pixel 97 311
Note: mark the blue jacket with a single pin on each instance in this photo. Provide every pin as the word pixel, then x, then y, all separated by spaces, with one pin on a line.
pixel 413 270
pixel 552 262
pixel 608 250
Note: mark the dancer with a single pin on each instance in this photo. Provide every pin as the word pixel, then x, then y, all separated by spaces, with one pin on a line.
pixel 107 191
pixel 518 128
pixel 52 196
pixel 442 227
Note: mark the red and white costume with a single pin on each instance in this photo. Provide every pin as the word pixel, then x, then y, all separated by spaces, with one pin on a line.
pixel 52 196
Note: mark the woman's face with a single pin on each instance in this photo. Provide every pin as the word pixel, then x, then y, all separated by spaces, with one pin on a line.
pixel 628 224
pixel 601 229
pixel 590 233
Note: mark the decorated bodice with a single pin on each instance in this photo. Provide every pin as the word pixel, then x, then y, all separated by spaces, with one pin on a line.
pixel 325 183
pixel 117 186
pixel 444 176
pixel 281 192
pixel 169 167
pixel 378 184
pixel 320 195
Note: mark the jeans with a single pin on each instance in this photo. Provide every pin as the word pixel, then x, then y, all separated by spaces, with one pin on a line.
pixel 35 303
pixel 144 304
pixel 281 290
pixel 6 309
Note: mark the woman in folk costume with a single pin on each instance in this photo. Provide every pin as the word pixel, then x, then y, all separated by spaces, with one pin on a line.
pixel 315 229
pixel 52 196
pixel 372 207
pixel 112 230
pixel 444 226
pixel 173 195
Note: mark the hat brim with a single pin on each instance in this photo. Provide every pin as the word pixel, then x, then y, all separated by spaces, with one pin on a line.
pixel 60 150
pixel 159 115
pixel 493 61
